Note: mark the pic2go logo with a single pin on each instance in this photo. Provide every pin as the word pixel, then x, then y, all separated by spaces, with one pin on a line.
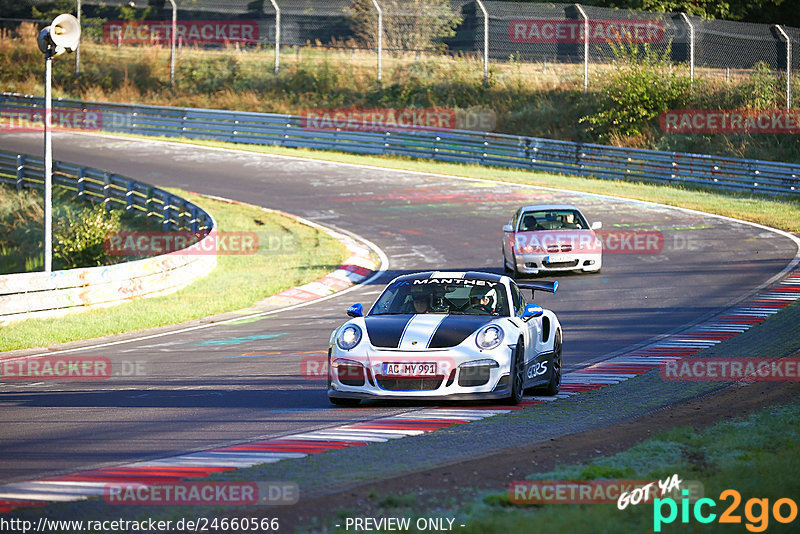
pixel 757 512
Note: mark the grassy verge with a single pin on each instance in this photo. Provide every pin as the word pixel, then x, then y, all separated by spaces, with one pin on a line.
pixel 290 254
pixel 781 213
pixel 756 456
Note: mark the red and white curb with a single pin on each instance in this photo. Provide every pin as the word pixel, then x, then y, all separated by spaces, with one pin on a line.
pixel 85 484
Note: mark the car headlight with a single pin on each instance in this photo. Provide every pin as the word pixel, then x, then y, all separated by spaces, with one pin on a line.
pixel 489 337
pixel 349 337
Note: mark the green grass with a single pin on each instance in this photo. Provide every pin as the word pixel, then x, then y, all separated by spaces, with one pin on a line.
pixel 756 456
pixel 781 213
pixel 237 282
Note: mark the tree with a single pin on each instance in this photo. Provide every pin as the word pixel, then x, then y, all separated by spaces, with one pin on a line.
pixel 407 24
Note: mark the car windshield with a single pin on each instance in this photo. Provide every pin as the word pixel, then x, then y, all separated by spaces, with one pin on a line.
pixel 564 219
pixel 444 296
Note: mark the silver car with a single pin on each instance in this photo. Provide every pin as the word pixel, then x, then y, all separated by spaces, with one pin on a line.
pixel 548 238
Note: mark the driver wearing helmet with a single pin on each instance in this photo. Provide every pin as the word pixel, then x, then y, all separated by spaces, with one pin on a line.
pixel 481 300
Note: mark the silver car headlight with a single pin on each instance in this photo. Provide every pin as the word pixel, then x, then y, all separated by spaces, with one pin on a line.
pixel 489 337
pixel 349 337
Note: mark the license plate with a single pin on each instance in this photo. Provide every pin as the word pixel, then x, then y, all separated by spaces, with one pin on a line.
pixel 409 369
pixel 555 258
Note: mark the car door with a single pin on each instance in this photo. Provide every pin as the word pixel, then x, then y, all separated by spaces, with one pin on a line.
pixel 530 328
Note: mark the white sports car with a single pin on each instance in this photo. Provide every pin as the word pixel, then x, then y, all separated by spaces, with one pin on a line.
pixel 447 336
pixel 549 238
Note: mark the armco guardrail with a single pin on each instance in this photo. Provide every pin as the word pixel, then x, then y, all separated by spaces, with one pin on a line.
pixel 40 294
pixel 580 159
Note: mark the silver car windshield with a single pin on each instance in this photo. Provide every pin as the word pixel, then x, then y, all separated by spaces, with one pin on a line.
pixel 444 296
pixel 552 220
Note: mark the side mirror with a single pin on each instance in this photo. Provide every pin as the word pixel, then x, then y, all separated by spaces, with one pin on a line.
pixel 532 310
pixel 597 225
pixel 508 228
pixel 356 310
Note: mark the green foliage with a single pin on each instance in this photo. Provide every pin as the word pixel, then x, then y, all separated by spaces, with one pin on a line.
pixel 642 86
pixel 79 234
pixel 79 230
pixel 761 90
pixel 407 24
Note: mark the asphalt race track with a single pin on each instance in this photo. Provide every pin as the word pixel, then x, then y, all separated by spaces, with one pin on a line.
pixel 239 382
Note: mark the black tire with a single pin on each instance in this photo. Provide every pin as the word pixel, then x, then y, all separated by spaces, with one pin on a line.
pixel 506 270
pixel 344 402
pixel 553 387
pixel 514 272
pixel 517 376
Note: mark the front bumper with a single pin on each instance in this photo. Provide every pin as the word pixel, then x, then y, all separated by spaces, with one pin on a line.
pixel 543 263
pixel 452 381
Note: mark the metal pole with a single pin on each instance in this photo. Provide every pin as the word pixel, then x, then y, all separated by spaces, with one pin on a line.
pixel 585 47
pixel 48 162
pixel 485 43
pixel 380 39
pixel 78 50
pixel 691 47
pixel 173 39
pixel 788 67
pixel 277 35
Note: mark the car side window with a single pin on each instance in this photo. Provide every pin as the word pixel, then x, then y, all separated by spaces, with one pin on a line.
pixel 519 301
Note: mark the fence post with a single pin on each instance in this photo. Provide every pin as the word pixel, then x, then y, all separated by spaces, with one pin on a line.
pixel 380 39
pixel 78 48
pixel 585 47
pixel 277 35
pixel 172 39
pixel 20 170
pixel 485 43
pixel 788 67
pixel 691 47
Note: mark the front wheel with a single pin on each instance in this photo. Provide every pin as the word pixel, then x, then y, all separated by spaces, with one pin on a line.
pixel 517 375
pixel 553 387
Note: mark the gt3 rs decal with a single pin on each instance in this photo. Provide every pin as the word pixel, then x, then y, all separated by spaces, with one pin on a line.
pixel 537 369
pixel 455 329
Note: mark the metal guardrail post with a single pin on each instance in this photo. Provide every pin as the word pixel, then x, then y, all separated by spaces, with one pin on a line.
pixel 277 35
pixel 78 48
pixel 691 47
pixel 20 170
pixel 485 43
pixel 107 191
pixel 585 47
pixel 172 40
pixel 788 66
pixel 380 39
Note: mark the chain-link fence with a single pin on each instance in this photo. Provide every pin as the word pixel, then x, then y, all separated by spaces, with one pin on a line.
pixel 568 40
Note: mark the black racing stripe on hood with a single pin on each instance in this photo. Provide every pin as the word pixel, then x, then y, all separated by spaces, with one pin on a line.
pixel 455 329
pixel 386 330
